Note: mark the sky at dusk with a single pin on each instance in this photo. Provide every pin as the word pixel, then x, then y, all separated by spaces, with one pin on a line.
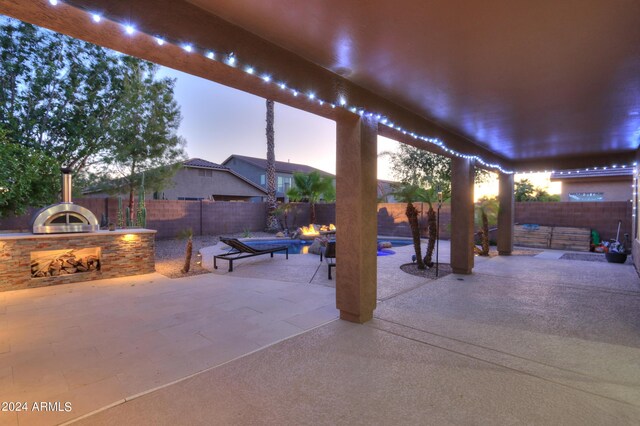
pixel 218 121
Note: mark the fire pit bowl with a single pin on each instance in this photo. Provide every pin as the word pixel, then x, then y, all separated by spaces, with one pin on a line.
pixel 616 257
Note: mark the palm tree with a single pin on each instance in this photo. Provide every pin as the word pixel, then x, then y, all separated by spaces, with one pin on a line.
pixel 188 235
pixel 272 220
pixel 486 213
pixel 430 196
pixel 311 187
pixel 409 193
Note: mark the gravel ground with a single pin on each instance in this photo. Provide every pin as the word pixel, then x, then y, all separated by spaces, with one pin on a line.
pixel 590 257
pixel 170 253
pixel 444 269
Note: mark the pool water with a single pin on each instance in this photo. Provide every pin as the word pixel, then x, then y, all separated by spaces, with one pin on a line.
pixel 302 247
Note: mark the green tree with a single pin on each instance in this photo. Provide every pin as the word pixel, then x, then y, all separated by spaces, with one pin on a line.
pixel 272 220
pixel 28 177
pixel 420 167
pixel 525 191
pixel 144 140
pixel 58 95
pixel 311 188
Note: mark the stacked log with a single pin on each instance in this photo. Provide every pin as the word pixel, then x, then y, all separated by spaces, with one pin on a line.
pixel 64 264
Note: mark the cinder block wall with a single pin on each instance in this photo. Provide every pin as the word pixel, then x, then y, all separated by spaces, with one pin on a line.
pixel 169 217
pixel 602 216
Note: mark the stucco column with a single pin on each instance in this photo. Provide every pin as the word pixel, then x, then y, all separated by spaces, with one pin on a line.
pixel 462 173
pixel 356 219
pixel 506 214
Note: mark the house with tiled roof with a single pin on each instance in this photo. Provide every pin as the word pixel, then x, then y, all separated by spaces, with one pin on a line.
pixel 255 169
pixel 200 179
pixel 595 184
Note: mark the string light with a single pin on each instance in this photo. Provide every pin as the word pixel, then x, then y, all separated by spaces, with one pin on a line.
pixel 231 61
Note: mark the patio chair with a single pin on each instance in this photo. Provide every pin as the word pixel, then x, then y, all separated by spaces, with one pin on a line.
pixel 239 250
pixel 330 255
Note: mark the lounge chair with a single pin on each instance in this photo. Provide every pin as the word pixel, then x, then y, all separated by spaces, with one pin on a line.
pixel 330 255
pixel 239 250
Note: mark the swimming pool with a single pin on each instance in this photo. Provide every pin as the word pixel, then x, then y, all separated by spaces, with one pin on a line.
pixel 302 246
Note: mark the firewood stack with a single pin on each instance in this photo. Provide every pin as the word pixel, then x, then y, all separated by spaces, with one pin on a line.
pixel 64 264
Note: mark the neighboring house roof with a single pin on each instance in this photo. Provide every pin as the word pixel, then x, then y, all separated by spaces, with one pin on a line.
pixel 194 163
pixel 608 172
pixel 199 163
pixel 281 166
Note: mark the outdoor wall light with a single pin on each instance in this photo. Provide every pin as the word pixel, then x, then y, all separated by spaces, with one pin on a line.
pixel 129 237
pixel 199 259
pixel 129 29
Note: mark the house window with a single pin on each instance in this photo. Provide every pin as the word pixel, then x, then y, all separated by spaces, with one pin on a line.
pixel 205 173
pixel 263 180
pixel 190 198
pixel 284 183
pixel 586 196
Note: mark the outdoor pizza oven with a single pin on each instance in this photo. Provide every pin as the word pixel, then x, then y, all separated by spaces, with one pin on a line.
pixel 64 217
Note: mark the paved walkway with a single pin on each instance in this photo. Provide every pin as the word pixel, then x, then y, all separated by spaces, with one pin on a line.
pixel 523 341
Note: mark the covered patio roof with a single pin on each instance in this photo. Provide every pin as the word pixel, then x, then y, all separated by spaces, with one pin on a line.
pixel 535 85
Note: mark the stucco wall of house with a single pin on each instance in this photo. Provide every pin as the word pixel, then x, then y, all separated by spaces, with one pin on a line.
pixel 254 173
pixel 613 190
pixel 188 183
pixel 245 169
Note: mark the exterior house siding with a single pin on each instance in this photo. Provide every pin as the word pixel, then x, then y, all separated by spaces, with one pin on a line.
pixel 612 191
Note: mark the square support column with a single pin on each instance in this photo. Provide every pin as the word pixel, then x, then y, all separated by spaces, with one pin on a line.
pixel 462 174
pixel 506 214
pixel 356 218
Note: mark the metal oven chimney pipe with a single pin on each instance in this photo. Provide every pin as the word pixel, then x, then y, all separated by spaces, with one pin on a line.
pixel 66 185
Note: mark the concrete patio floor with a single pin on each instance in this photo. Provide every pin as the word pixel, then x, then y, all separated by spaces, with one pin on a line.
pixel 522 341
pixel 533 340
pixel 97 343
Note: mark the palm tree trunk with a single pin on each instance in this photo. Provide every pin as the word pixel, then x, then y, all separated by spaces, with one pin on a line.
pixel 187 258
pixel 412 216
pixel 485 234
pixel 433 234
pixel 272 220
pixel 312 212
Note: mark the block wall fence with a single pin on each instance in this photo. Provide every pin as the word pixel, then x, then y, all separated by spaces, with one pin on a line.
pixel 170 217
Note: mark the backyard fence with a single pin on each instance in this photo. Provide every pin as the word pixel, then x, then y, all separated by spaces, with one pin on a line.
pixel 169 217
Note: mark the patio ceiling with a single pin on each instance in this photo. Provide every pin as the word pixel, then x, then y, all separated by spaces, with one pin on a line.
pixel 528 85
pixel 525 79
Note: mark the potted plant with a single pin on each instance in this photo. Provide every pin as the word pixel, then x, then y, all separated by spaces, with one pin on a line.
pixel 615 251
